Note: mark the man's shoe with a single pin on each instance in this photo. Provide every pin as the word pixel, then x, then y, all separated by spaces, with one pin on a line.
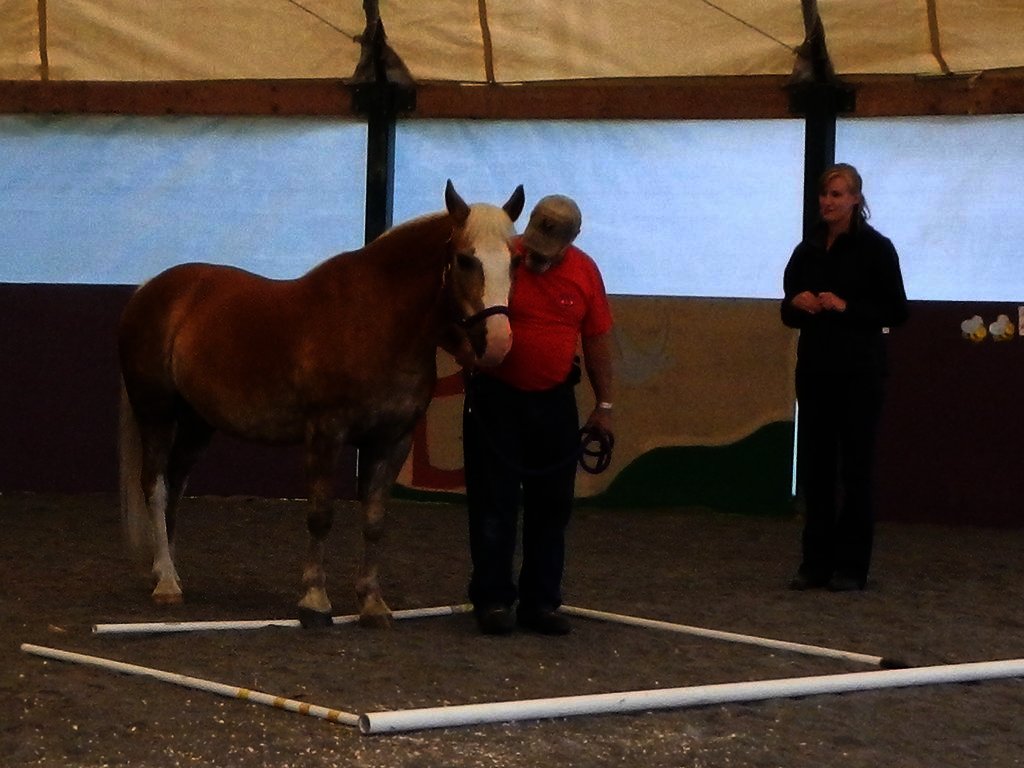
pixel 496 620
pixel 841 583
pixel 544 622
pixel 802 582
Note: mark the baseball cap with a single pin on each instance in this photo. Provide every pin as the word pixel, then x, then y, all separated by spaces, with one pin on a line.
pixel 554 223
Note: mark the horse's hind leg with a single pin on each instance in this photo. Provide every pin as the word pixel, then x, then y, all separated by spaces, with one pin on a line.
pixel 157 441
pixel 164 489
pixel 321 450
pixel 190 439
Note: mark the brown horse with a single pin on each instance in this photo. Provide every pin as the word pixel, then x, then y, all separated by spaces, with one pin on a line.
pixel 345 354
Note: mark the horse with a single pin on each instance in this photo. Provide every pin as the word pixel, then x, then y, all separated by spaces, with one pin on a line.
pixel 342 355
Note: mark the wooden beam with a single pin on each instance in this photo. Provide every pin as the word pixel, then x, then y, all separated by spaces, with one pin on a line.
pixel 712 98
pixel 651 99
pixel 218 97
pixel 989 93
pixel 720 98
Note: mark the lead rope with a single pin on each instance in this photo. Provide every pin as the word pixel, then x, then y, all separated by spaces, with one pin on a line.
pixel 595 444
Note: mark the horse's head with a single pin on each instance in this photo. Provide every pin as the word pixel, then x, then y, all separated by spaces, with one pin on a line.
pixel 480 273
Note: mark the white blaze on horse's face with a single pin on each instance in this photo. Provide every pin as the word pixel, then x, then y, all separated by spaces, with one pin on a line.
pixel 483 265
pixel 489 231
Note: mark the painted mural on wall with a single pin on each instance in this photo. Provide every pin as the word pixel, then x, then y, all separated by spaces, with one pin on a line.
pixel 703 410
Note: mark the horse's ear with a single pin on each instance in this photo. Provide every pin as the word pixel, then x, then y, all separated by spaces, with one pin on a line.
pixel 455 204
pixel 515 204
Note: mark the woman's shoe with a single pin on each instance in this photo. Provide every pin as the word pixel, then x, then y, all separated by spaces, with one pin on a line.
pixel 802 582
pixel 841 583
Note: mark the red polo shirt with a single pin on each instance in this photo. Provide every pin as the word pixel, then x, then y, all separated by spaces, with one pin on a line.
pixel 549 312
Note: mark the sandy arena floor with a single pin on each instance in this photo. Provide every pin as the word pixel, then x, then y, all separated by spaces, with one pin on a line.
pixel 938 596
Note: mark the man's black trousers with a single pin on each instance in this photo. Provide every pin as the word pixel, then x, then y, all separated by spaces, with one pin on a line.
pixel 519 448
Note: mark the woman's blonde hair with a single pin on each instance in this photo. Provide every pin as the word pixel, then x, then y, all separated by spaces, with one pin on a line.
pixel 853 180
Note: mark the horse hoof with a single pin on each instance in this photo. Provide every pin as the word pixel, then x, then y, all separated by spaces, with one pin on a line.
pixel 375 620
pixel 310 619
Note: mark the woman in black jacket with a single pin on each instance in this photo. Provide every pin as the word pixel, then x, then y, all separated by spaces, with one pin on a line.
pixel 843 288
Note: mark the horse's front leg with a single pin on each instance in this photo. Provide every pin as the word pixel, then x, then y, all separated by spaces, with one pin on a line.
pixel 315 606
pixel 378 469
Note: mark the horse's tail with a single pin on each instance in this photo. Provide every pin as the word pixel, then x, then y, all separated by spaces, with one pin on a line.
pixel 135 519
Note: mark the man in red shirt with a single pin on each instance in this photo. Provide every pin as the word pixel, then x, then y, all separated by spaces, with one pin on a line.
pixel 521 424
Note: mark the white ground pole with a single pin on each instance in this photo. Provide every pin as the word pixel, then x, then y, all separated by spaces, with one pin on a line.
pixel 676 698
pixel 156 627
pixel 734 637
pixel 230 691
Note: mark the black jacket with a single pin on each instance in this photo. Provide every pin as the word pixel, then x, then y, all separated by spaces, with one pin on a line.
pixel 862 268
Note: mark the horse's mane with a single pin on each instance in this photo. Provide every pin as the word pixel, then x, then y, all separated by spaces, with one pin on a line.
pixel 428 226
pixel 413 237
pixel 400 242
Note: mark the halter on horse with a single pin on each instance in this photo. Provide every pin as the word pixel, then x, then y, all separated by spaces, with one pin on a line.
pixel 345 354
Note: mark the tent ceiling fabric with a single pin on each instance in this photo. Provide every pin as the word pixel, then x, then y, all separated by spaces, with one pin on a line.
pixel 576 39
pixel 125 40
pixel 506 41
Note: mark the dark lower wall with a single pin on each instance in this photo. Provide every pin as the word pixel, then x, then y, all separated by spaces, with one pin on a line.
pixel 59 390
pixel 951 432
pixel 948 440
